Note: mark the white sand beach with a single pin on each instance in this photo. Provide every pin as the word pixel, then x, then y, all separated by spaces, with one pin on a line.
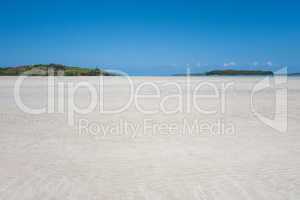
pixel 230 154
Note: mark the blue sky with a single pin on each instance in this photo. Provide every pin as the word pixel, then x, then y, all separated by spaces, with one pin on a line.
pixel 152 37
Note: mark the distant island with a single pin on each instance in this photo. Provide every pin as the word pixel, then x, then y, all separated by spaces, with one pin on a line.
pixel 294 74
pixel 52 69
pixel 230 72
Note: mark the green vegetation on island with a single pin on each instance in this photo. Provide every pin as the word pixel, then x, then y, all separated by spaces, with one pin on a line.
pixel 52 69
pixel 231 72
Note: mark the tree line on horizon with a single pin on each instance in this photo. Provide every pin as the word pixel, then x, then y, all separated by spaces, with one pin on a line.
pixel 52 69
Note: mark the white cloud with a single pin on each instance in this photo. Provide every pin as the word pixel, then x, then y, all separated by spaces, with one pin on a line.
pixel 269 63
pixel 229 64
pixel 198 64
pixel 255 63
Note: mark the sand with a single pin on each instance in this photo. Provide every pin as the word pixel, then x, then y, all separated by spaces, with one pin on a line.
pixel 45 156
